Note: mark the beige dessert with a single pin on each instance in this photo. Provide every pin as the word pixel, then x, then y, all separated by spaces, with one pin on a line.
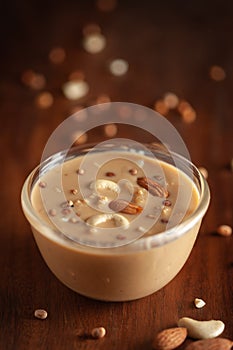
pixel 115 225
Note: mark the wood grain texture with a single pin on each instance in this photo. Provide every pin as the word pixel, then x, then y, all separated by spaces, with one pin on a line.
pixel 170 46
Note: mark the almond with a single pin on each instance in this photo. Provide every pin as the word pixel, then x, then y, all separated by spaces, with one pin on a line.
pixel 224 230
pixel 211 344
pixel 120 205
pixel 153 187
pixel 170 338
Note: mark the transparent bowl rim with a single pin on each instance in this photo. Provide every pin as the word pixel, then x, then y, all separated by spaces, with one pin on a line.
pixel 151 241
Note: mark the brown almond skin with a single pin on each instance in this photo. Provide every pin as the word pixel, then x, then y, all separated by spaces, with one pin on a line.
pixel 152 187
pixel 211 344
pixel 170 338
pixel 120 205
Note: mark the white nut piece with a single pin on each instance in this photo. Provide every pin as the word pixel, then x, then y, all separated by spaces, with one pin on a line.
pixel 41 314
pixel 102 184
pixel 199 303
pixel 202 329
pixel 119 220
pixel 98 332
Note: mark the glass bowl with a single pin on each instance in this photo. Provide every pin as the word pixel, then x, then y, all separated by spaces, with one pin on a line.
pixel 121 273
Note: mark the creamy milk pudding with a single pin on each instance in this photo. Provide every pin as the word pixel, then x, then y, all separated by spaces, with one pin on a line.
pixel 116 225
pixel 115 197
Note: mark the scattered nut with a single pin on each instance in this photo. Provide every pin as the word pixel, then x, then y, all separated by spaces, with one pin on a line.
pixel 204 172
pixel 98 332
pixel 133 171
pixel 167 203
pixel 120 205
pixel 211 344
pixel 80 171
pixel 110 174
pixel 170 338
pixel 74 191
pixel 119 220
pixel 103 184
pixel 41 314
pixel 52 212
pixel 199 303
pixel 140 196
pixel 224 230
pixel 202 329
pixel 152 186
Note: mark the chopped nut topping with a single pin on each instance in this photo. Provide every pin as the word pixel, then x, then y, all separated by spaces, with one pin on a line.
pixel 152 186
pixel 120 205
pixel 199 303
pixel 204 172
pixel 133 171
pixel 164 221
pixel 167 203
pixel 52 212
pixel 74 191
pixel 110 174
pixel 80 171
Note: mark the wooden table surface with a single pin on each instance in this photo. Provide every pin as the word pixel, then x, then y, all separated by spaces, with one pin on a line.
pixel 170 47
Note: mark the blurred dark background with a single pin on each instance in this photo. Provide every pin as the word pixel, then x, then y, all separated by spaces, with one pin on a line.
pixel 170 46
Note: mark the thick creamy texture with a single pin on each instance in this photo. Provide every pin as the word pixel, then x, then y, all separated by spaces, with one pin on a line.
pixel 68 196
pixel 119 273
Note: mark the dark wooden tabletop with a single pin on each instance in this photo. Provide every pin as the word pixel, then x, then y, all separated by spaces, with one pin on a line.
pixel 183 47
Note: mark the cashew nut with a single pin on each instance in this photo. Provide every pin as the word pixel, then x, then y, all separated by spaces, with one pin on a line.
pixel 102 184
pixel 118 219
pixel 199 303
pixel 202 329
